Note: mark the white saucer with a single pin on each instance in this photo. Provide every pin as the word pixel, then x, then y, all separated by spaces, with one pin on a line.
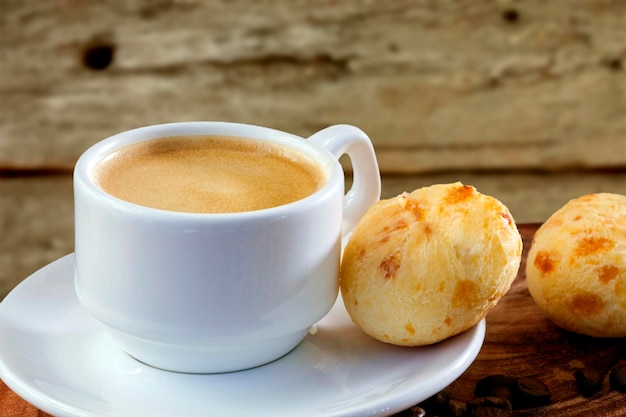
pixel 57 357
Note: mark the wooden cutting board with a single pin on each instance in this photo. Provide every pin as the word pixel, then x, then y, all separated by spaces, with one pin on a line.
pixel 521 341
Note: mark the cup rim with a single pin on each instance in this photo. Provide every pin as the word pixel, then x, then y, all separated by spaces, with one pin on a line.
pixel 87 161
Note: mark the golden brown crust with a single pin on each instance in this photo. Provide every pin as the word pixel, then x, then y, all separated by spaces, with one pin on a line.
pixel 424 266
pixel 576 270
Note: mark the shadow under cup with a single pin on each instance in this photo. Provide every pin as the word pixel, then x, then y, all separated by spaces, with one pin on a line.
pixel 207 293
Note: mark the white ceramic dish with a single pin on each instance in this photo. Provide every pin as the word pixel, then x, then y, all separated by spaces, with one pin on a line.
pixel 57 357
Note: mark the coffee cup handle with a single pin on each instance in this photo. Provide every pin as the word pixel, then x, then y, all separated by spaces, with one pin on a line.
pixel 365 190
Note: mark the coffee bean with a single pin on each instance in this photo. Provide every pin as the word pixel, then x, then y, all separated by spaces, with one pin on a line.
pixel 588 380
pixel 442 405
pixel 415 411
pixel 441 399
pixel 490 412
pixel 437 404
pixel 492 385
pixel 501 392
pixel 493 402
pixel 617 377
pixel 531 392
pixel 456 409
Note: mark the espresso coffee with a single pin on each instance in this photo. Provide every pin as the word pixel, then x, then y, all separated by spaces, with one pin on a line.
pixel 209 174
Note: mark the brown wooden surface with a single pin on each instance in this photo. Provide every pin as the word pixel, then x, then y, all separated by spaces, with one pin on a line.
pixel 520 341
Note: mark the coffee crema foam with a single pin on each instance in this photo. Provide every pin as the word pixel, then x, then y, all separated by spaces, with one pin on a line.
pixel 209 174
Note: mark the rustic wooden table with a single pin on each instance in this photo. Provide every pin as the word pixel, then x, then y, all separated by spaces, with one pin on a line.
pixel 525 101
pixel 519 342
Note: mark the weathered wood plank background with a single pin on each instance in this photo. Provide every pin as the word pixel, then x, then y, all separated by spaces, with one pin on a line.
pixel 524 99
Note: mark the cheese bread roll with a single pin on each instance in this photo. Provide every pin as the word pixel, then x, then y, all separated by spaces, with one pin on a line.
pixel 576 267
pixel 427 265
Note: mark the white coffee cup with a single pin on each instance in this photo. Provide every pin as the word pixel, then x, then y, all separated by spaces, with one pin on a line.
pixel 207 293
